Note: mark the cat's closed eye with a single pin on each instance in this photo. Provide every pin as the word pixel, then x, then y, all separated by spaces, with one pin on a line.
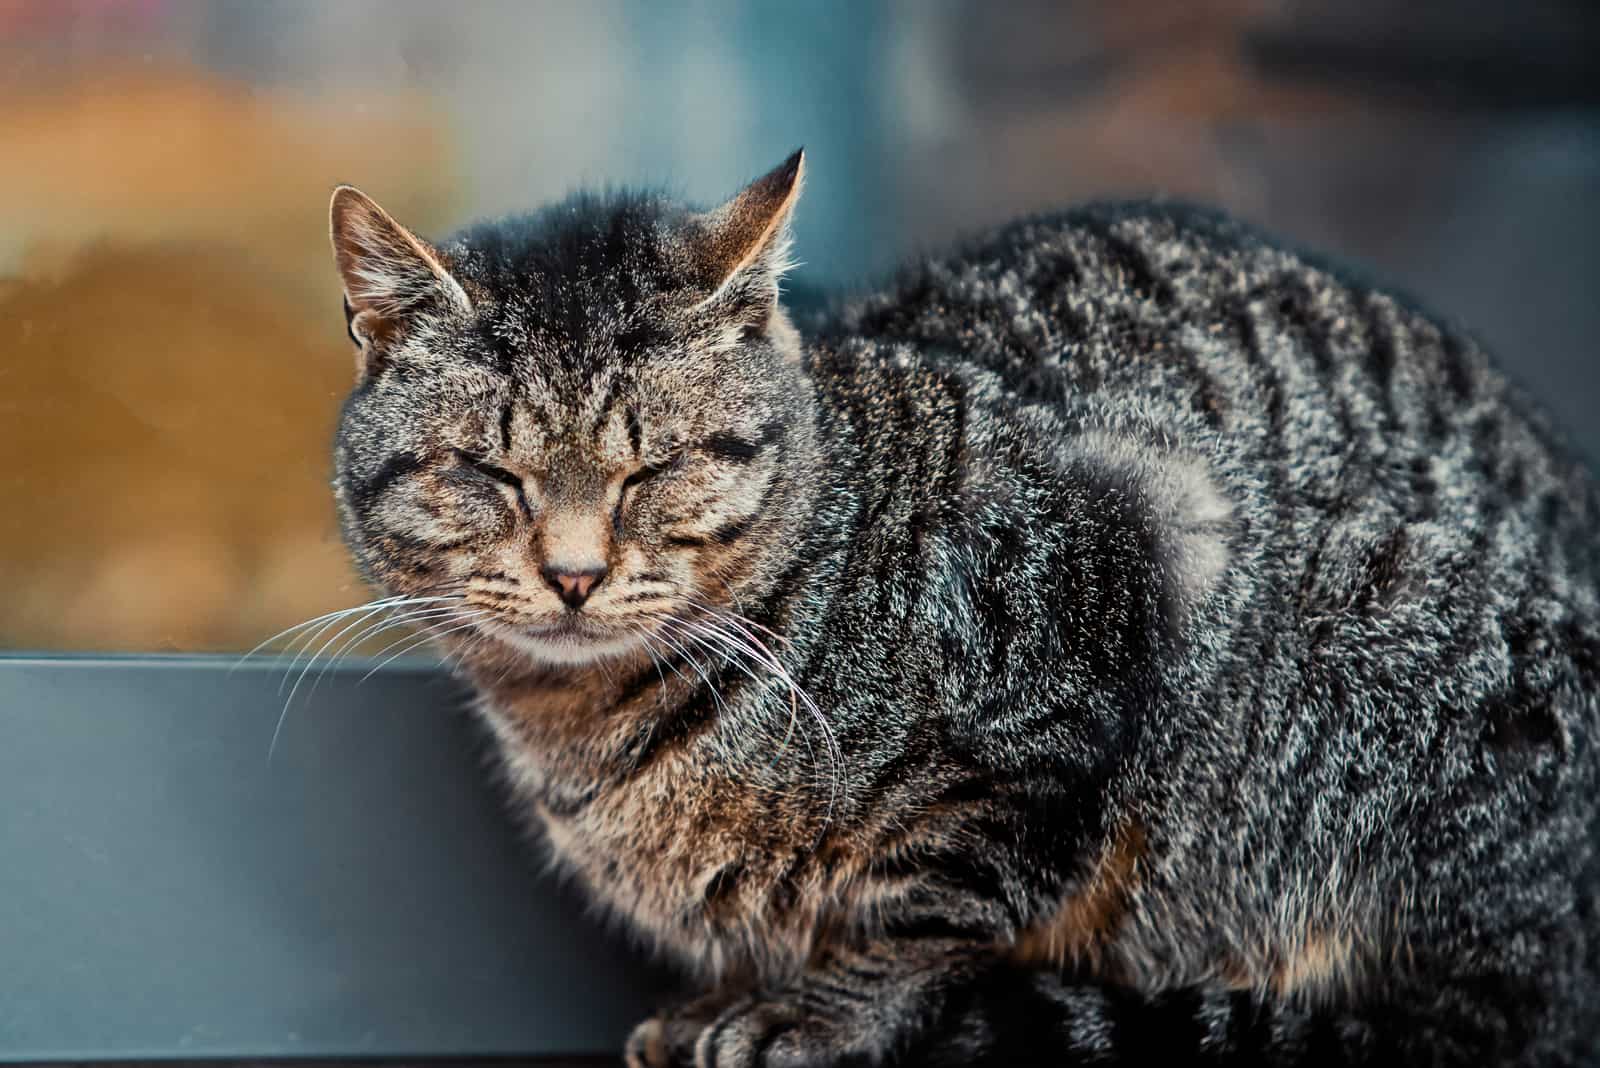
pixel 649 471
pixel 480 466
pixel 721 447
pixel 732 447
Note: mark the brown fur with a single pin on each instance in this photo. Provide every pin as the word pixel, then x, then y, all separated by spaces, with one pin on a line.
pixel 1323 960
pixel 1090 918
pixel 743 229
pixel 696 857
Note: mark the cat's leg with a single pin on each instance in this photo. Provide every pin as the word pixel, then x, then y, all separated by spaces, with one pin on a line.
pixel 852 1006
pixel 1018 1018
pixel 941 1006
pixel 1022 1018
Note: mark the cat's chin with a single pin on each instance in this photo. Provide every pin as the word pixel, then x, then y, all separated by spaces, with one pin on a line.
pixel 565 648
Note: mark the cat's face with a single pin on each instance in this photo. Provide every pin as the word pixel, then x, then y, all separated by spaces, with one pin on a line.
pixel 571 426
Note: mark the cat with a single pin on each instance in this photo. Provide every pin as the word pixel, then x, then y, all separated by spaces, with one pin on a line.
pixel 1123 639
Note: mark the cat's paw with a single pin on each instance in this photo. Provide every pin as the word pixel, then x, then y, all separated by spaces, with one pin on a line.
pixel 752 1032
pixel 667 1040
pixel 762 1033
pixel 650 1045
pixel 799 1028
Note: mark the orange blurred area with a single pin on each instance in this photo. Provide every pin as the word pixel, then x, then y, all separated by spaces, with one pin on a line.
pixel 172 351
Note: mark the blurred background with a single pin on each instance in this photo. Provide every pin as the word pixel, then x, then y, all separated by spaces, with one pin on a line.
pixel 172 351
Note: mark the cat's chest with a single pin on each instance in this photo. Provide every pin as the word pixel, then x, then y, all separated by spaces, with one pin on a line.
pixel 706 865
pixel 700 856
pixel 655 839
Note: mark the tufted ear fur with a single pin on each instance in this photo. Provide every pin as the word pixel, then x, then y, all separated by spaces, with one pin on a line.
pixel 742 248
pixel 391 276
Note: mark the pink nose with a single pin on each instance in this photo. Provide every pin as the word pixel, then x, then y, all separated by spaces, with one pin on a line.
pixel 573 587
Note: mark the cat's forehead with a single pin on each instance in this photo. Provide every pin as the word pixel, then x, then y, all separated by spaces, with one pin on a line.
pixel 592 307
pixel 595 331
pixel 569 332
pixel 549 396
pixel 602 349
pixel 582 265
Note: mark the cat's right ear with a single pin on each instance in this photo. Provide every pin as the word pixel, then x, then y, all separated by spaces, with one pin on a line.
pixel 743 246
pixel 392 278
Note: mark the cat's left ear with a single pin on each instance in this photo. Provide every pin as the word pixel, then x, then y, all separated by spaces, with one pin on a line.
pixel 392 278
pixel 743 246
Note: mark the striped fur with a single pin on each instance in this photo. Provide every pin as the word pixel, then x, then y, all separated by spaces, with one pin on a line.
pixel 1121 640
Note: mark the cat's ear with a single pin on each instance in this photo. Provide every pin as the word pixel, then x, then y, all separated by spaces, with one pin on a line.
pixel 743 246
pixel 391 276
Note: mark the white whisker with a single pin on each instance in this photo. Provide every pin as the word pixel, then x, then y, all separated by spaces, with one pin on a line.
pixel 694 665
pixel 384 607
pixel 430 634
pixel 650 651
pixel 372 630
pixel 309 623
pixel 309 663
pixel 366 611
pixel 443 617
pixel 752 646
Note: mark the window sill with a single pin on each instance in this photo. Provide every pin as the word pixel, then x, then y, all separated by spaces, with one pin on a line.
pixel 172 892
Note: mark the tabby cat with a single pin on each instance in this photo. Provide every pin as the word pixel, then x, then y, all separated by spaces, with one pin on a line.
pixel 1124 640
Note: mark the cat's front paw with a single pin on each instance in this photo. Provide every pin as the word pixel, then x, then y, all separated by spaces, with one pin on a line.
pixel 667 1040
pixel 761 1033
pixel 752 1032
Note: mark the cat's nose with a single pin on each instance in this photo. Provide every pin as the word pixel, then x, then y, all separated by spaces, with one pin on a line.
pixel 573 587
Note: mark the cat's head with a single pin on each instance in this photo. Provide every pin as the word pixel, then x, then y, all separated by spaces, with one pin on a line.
pixel 574 423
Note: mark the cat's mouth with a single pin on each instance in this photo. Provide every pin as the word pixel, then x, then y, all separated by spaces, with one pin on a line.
pixel 569 639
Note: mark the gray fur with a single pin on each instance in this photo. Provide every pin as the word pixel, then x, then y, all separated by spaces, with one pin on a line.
pixel 1172 600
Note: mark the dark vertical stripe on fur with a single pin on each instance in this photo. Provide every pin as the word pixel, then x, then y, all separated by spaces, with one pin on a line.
pixel 505 428
pixel 1384 358
pixel 1126 256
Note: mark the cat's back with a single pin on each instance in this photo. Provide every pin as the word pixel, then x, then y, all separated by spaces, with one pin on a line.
pixel 1309 385
pixel 1408 620
pixel 1407 532
pixel 1173 303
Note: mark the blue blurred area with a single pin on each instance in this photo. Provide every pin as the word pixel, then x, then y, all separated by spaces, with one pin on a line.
pixel 694 97
pixel 1454 147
